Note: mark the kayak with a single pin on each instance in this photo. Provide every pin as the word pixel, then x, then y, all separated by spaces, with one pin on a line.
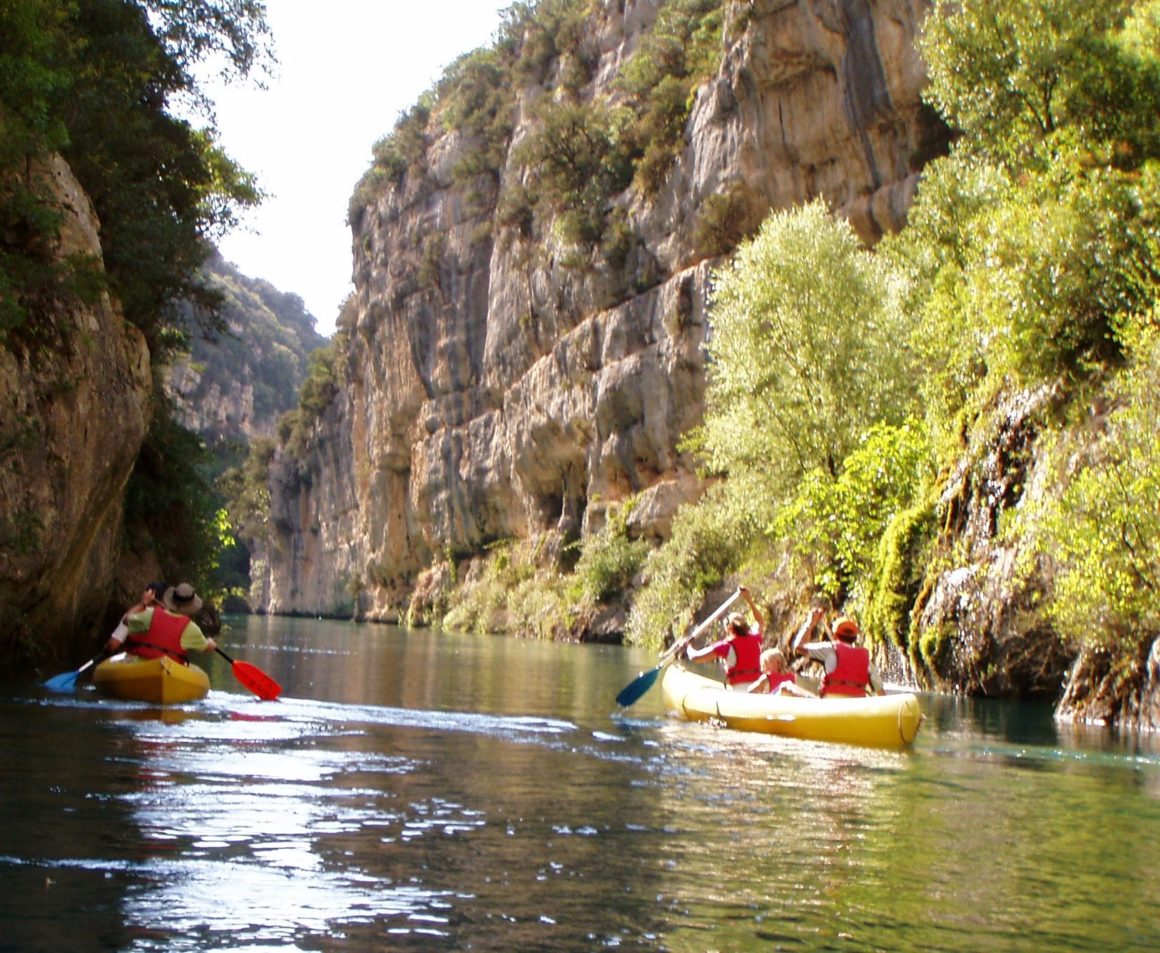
pixel 881 721
pixel 161 681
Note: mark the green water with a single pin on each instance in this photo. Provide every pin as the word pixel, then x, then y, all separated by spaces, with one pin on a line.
pixel 415 791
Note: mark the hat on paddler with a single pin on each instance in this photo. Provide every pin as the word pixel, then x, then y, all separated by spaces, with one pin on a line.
pixel 845 629
pixel 182 599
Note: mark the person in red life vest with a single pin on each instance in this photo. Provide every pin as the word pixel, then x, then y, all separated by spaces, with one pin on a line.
pixel 166 628
pixel 777 678
pixel 739 651
pixel 154 592
pixel 849 670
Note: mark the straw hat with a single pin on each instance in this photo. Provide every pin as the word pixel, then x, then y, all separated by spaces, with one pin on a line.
pixel 182 599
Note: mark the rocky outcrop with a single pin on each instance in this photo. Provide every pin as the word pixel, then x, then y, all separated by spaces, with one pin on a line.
pixel 236 386
pixel 981 617
pixel 75 392
pixel 501 384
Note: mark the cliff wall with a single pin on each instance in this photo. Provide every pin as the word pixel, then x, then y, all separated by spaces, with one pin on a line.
pixel 75 392
pixel 499 383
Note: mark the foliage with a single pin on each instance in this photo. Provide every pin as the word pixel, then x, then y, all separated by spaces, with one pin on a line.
pixel 1103 532
pixel 901 567
pixel 265 347
pixel 577 161
pixel 400 151
pixel 836 523
pixel 609 559
pixel 246 490
pixel 543 33
pixel 170 495
pixel 95 80
pixel 323 383
pixel 710 540
pixel 1019 280
pixel 476 100
pixel 1016 73
pixel 805 350
pixel 682 50
pixel 727 217
pixel 1025 246
pixel 508 590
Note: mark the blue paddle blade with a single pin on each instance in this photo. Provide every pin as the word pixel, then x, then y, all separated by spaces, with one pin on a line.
pixel 63 683
pixel 637 687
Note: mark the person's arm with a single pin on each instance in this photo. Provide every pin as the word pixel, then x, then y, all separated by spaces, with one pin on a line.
pixel 136 620
pixel 194 640
pixel 876 681
pixel 705 654
pixel 757 616
pixel 759 685
pixel 793 688
pixel 799 640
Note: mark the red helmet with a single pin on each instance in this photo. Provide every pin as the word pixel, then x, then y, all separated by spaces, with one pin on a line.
pixel 845 629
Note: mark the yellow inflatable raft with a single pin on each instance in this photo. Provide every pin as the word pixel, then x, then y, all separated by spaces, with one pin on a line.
pixel 161 681
pixel 883 721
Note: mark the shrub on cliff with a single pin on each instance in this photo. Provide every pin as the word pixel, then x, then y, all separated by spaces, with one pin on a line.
pixel 95 81
pixel 1103 532
pixel 807 351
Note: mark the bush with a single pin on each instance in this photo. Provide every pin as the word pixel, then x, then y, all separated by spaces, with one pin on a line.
pixel 1103 532
pixel 710 540
pixel 836 524
pixel 609 560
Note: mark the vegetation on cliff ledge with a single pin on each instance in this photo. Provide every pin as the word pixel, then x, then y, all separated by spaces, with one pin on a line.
pixel 106 85
pixel 853 393
pixel 838 408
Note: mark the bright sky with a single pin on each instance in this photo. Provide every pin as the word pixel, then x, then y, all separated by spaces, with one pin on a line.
pixel 347 69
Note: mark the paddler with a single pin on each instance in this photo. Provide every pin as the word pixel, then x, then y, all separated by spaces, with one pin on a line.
pixel 740 649
pixel 164 629
pixel 849 671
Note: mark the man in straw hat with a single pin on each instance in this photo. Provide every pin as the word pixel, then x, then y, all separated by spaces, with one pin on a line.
pixel 166 628
pixel 849 670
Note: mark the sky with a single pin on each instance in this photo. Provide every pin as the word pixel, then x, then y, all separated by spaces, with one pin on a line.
pixel 347 69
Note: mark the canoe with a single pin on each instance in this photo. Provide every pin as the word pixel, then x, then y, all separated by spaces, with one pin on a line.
pixel 161 681
pixel 881 721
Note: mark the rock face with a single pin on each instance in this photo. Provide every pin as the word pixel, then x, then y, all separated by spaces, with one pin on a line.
pixel 494 387
pixel 74 408
pixel 236 387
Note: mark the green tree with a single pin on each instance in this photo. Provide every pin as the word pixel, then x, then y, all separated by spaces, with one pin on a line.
pixel 96 80
pixel 1103 532
pixel 807 350
pixel 834 525
pixel 1013 73
pixel 1028 243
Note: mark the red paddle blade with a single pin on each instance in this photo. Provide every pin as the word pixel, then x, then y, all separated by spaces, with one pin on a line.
pixel 257 681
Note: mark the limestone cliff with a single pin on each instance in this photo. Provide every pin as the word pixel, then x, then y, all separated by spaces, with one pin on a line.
pixel 236 386
pixel 501 382
pixel 75 394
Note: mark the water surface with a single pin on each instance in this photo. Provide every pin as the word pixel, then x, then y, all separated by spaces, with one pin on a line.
pixel 423 791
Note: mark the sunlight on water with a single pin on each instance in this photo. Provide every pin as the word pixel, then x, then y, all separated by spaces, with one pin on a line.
pixel 418 793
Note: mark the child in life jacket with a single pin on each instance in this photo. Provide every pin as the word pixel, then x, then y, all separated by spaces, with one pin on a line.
pixel 777 678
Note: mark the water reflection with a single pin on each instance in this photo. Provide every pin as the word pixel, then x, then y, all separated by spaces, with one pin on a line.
pixel 421 792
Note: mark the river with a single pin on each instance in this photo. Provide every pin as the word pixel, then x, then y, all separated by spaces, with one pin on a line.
pixel 424 791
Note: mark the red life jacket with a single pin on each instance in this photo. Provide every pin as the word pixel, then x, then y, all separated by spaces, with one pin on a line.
pixel 778 678
pixel 163 637
pixel 747 655
pixel 852 673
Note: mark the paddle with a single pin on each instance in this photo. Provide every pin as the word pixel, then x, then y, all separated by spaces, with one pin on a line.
pixel 253 678
pixel 633 691
pixel 67 681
